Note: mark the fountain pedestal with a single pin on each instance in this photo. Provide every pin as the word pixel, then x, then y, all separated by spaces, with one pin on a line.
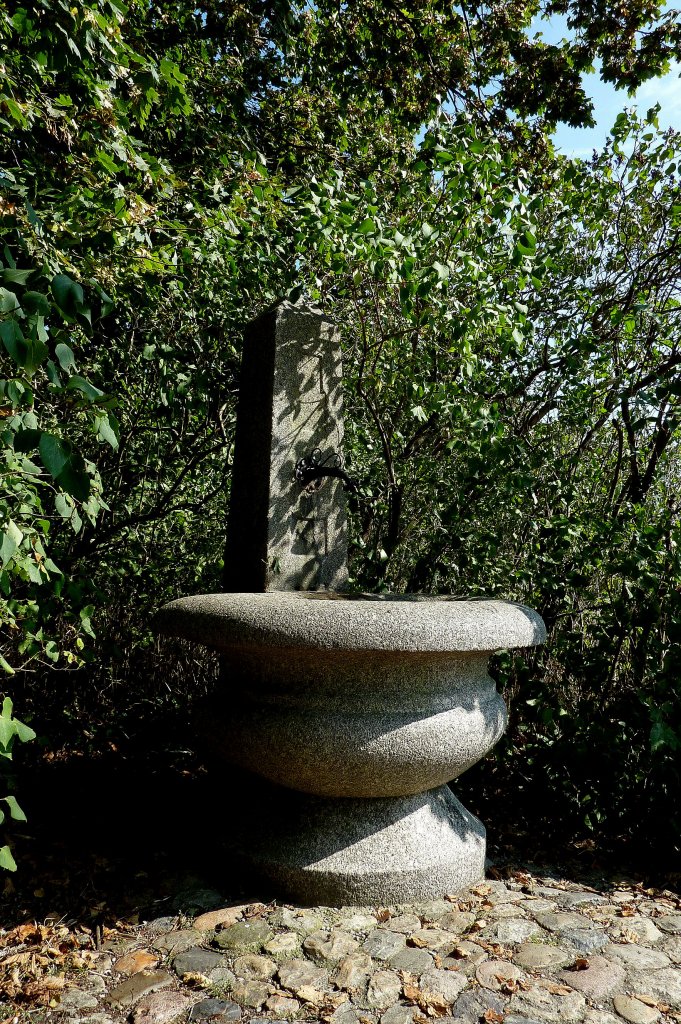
pixel 359 711
pixel 354 712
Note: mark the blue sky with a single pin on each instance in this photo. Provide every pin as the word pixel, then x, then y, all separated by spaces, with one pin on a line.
pixel 608 102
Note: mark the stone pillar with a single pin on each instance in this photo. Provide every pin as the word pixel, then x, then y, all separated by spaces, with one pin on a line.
pixel 279 535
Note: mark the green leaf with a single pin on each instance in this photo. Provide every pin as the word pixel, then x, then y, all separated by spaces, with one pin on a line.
pixel 35 302
pixel 68 294
pixel 24 732
pixel 7 861
pixel 107 429
pixel 367 226
pixel 27 440
pixel 8 301
pixel 55 454
pixel 8 548
pixel 12 276
pixel 14 810
pixel 77 383
pixel 63 506
pixel 14 341
pixel 7 732
pixel 74 479
pixel 65 355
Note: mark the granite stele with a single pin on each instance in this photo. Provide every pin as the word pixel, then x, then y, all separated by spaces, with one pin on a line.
pixel 348 715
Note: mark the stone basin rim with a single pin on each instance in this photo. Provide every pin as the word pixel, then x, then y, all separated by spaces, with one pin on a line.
pixel 310 620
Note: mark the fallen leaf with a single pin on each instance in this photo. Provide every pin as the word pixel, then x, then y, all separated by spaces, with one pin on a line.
pixel 435 1007
pixel 42 991
pixel 196 980
pixel 644 998
pixel 554 989
pixel 411 992
pixel 492 1017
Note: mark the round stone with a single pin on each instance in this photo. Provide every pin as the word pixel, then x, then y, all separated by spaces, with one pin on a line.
pixel 179 940
pixel 534 905
pixel 501 911
pixel 353 971
pixel 398 1015
pixel 634 1010
pixel 456 921
pixel 282 1006
pixel 360 922
pixel 413 960
pixel 283 945
pixel 74 999
pixel 539 1004
pixel 299 974
pixel 475 1004
pixel 198 961
pixel 600 979
pixel 382 944
pixel 330 946
pixel 497 974
pixel 384 989
pixel 255 967
pixel 514 930
pixel 563 922
pixel 251 993
pixel 537 956
pixel 642 927
pixel 405 923
pixel 672 947
pixel 433 938
pixel 670 923
pixel 161 1008
pixel 664 984
pixel 222 1009
pixel 244 936
pixel 305 921
pixel 442 985
pixel 635 957
pixel 432 911
pixel 580 899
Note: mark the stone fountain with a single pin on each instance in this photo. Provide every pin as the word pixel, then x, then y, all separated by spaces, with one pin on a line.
pixel 346 714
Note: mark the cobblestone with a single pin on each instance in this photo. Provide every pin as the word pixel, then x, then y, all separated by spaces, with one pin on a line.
pixel 525 951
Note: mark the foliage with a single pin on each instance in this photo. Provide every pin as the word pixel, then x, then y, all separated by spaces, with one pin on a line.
pixel 11 729
pixel 510 321
pixel 531 450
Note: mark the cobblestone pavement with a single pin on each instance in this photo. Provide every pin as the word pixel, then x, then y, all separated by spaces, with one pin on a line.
pixel 526 950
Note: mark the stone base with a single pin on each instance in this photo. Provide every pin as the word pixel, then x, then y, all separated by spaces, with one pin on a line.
pixel 317 850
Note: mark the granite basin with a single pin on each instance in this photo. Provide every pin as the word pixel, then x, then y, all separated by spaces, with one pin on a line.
pixel 365 697
pixel 361 709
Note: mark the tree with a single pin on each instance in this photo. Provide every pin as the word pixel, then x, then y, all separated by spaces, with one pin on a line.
pixel 169 170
